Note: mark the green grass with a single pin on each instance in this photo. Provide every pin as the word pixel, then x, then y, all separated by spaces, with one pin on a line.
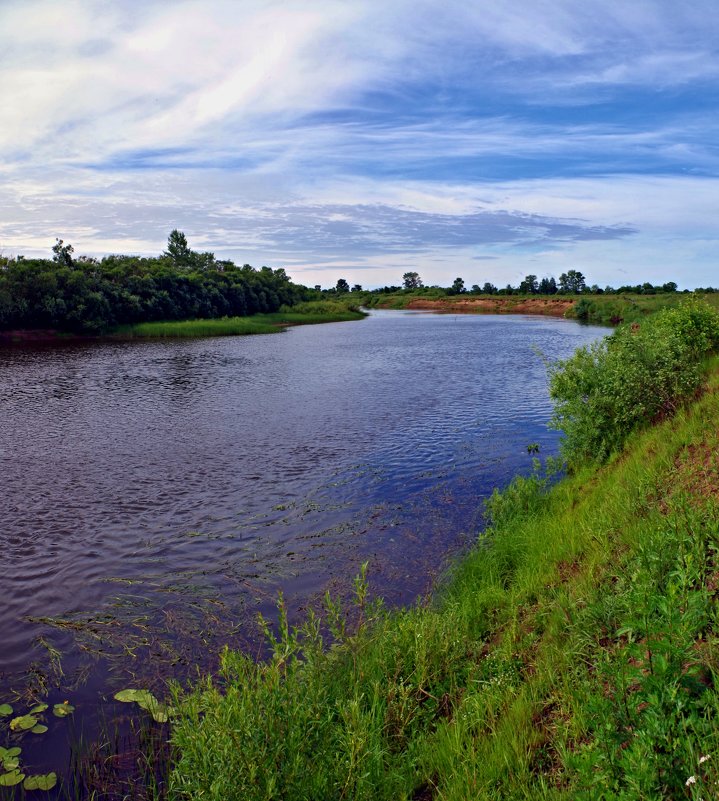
pixel 303 314
pixel 612 309
pixel 571 654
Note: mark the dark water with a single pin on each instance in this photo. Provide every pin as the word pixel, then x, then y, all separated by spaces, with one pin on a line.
pixel 157 495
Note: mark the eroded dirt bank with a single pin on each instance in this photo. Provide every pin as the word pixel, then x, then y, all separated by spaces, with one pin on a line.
pixel 552 306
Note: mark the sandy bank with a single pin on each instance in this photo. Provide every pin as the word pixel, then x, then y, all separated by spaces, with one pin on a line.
pixel 551 306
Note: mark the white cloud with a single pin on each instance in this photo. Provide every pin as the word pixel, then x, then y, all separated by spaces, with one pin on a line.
pixel 263 128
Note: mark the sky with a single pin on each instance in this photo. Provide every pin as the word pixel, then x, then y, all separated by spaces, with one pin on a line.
pixel 362 139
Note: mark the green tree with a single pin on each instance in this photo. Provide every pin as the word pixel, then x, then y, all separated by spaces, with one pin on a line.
pixel 357 288
pixel 62 253
pixel 571 282
pixel 412 280
pixel 530 285
pixel 457 287
pixel 342 286
pixel 178 249
pixel 548 286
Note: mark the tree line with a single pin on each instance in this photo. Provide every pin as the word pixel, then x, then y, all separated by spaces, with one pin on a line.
pixel 88 295
pixel 571 282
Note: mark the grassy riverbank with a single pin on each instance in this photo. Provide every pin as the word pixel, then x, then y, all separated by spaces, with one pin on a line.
pixel 311 313
pixel 571 654
pixel 603 309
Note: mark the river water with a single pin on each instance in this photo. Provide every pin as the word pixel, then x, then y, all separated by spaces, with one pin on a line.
pixel 157 495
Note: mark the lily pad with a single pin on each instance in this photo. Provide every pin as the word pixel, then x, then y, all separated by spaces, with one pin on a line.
pixel 46 782
pixel 147 701
pixel 36 710
pixel 11 779
pixel 5 710
pixel 138 696
pixel 10 763
pixel 10 752
pixel 23 723
pixel 39 729
pixel 63 710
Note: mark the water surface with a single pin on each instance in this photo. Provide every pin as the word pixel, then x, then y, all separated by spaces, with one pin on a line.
pixel 156 495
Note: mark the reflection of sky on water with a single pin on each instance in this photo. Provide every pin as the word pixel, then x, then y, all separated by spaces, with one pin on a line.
pixel 176 486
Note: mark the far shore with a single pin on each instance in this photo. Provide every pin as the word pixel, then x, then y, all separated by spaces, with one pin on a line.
pixel 551 306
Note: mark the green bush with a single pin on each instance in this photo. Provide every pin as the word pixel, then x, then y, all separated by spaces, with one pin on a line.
pixel 607 390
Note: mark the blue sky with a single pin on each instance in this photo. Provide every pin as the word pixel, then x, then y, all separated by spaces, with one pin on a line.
pixel 361 139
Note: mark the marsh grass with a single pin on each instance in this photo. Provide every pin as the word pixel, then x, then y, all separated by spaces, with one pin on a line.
pixel 571 654
pixel 301 314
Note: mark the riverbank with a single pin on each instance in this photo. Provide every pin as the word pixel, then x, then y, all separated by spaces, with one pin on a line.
pixel 307 314
pixel 602 309
pixel 571 653
pixel 312 313
pixel 551 306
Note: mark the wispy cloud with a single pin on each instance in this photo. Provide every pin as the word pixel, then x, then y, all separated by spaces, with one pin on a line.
pixel 366 134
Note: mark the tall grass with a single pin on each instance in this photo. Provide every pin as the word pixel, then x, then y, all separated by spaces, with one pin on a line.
pixel 301 314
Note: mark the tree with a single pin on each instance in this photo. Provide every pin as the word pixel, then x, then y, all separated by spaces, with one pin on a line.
pixel 571 282
pixel 489 289
pixel 548 286
pixel 178 249
pixel 62 254
pixel 412 280
pixel 342 286
pixel 356 288
pixel 457 287
pixel 530 285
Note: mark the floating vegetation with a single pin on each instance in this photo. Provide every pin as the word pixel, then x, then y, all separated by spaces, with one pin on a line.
pixel 147 701
pixel 11 779
pixel 23 723
pixel 11 771
pixel 9 758
pixel 46 782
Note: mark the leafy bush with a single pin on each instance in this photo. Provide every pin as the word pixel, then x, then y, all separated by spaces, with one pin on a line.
pixel 606 390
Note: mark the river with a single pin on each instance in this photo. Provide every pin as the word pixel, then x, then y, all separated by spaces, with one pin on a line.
pixel 158 494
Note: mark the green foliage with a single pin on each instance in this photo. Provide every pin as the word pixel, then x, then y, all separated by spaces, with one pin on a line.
pixel 86 296
pixel 655 720
pixel 524 496
pixel 607 390
pixel 411 280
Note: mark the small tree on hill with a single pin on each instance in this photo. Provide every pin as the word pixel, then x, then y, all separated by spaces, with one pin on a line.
pixel 457 287
pixel 412 280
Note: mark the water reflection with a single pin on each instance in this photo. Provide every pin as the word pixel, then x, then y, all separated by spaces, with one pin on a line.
pixel 157 494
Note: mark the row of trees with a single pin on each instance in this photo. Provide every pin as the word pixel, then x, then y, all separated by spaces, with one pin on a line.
pixel 571 282
pixel 89 295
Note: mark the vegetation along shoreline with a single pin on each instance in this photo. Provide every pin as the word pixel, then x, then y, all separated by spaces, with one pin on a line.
pixel 570 654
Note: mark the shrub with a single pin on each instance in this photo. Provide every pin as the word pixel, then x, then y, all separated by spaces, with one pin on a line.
pixel 605 391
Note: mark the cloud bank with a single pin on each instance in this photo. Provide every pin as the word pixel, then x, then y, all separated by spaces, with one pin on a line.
pixel 367 137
